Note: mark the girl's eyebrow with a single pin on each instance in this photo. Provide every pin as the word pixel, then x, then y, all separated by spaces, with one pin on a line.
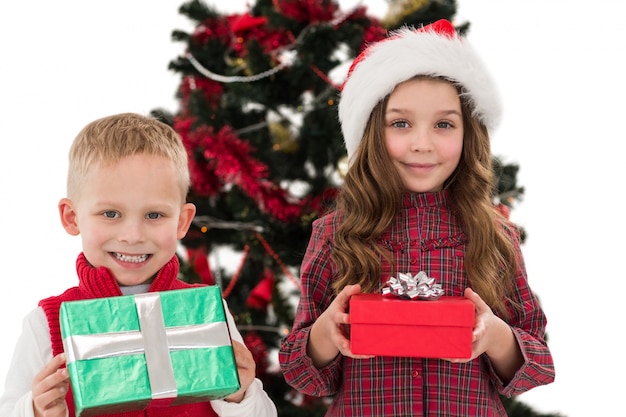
pixel 449 112
pixel 442 112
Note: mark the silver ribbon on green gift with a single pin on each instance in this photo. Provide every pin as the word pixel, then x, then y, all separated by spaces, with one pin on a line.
pixel 154 340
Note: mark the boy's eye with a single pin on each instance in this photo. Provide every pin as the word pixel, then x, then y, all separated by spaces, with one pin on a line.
pixel 153 216
pixel 110 214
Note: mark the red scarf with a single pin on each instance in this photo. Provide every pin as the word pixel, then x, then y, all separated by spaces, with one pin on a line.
pixel 100 283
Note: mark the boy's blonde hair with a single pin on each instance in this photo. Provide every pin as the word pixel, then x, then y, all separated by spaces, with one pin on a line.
pixel 112 138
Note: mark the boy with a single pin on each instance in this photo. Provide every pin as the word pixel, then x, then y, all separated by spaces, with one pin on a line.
pixel 126 188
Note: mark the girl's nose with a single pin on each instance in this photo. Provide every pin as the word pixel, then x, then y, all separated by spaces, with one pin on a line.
pixel 420 141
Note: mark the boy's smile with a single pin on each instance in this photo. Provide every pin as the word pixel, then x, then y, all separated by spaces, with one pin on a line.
pixel 130 216
pixel 130 258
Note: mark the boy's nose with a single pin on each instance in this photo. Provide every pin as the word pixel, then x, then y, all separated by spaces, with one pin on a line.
pixel 131 232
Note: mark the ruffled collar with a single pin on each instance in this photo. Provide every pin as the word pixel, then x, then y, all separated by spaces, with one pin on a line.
pixel 433 198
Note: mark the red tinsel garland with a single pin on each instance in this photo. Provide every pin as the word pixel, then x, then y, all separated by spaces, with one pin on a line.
pixel 227 160
pixel 307 11
pixel 279 261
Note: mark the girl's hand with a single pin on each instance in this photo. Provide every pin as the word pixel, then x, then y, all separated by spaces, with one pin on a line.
pixel 49 388
pixel 491 335
pixel 484 322
pixel 329 334
pixel 246 367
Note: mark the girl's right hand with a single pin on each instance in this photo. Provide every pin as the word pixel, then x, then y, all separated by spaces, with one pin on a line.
pixel 328 336
pixel 49 388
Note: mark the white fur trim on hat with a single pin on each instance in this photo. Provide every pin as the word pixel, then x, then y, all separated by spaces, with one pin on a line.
pixel 432 50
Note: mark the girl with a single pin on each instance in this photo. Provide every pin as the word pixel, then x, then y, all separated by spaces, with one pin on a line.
pixel 415 112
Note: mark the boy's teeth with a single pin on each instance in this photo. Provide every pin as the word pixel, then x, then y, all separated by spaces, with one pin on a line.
pixel 128 258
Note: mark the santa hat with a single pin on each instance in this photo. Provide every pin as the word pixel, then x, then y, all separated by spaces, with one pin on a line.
pixel 435 50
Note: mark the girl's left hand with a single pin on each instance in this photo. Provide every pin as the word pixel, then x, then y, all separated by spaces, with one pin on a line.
pixel 494 337
pixel 484 322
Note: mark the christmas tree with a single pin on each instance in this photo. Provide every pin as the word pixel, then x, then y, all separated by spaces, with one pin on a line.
pixel 258 116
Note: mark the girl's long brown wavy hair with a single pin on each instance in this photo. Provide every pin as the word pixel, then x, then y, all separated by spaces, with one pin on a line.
pixel 371 197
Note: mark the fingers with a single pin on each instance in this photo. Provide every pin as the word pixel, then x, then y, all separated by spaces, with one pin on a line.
pixel 343 298
pixel 470 294
pixel 339 307
pixel 484 316
pixel 480 305
pixel 339 315
pixel 243 357
pixel 50 375
pixel 341 320
pixel 246 368
pixel 49 388
pixel 456 360
pixel 57 408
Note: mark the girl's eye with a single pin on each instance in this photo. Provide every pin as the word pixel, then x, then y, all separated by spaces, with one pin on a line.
pixel 444 125
pixel 111 214
pixel 153 216
pixel 400 124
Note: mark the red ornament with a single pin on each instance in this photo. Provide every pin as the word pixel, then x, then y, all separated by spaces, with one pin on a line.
pixel 199 258
pixel 261 295
pixel 245 22
pixel 257 347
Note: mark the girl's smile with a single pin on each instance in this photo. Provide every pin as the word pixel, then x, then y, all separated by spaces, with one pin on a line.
pixel 424 132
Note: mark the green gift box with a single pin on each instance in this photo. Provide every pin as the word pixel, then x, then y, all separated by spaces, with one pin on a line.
pixel 132 352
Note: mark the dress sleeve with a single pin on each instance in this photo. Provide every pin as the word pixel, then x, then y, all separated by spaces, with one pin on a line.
pixel 316 272
pixel 32 352
pixel 528 322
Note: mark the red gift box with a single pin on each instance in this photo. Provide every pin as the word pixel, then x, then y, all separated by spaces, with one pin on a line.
pixel 387 326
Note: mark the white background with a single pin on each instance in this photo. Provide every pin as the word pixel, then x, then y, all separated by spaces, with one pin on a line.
pixel 560 68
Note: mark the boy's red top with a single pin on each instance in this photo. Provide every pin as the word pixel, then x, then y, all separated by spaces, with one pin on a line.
pixel 100 283
pixel 425 236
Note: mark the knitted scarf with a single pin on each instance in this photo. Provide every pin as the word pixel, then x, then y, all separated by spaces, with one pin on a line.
pixel 100 283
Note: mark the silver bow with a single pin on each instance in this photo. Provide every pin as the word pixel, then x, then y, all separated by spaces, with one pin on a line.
pixel 413 287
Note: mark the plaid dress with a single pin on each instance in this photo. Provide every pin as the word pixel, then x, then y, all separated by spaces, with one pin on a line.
pixel 425 236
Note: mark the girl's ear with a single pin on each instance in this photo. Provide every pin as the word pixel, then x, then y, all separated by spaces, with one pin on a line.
pixel 187 213
pixel 68 216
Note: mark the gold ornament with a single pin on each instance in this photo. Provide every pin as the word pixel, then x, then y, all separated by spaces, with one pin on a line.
pixel 399 10
pixel 282 138
pixel 342 166
pixel 239 65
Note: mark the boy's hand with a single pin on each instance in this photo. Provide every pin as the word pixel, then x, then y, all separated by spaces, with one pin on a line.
pixel 246 367
pixel 49 388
